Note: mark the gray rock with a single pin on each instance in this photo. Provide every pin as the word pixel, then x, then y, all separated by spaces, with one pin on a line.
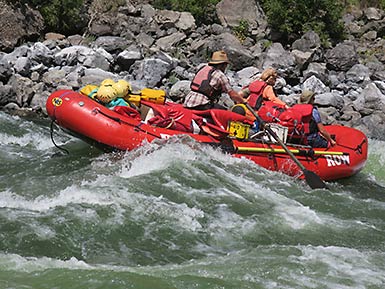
pixel 98 58
pixel 342 57
pixel 329 115
pixel 21 22
pixel 230 13
pixel 186 22
pixel 301 58
pixel 316 85
pixel 169 42
pixel 127 57
pixel 111 44
pixel 276 56
pixel 239 56
pixel 329 99
pixel 21 51
pixel 375 125
pixel 369 100
pixel 150 71
pixel 179 90
pixel 318 70
pixel 246 75
pixel 22 66
pixel 359 73
pixel 145 40
pixel 308 42
pixel 95 76
pixel 7 94
pixel 40 53
pixel 23 87
pixel 6 70
pixel 372 13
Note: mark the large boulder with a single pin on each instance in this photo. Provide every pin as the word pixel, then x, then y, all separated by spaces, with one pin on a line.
pixel 276 56
pixel 150 71
pixel 231 13
pixel 342 57
pixel 308 42
pixel 239 56
pixel 18 25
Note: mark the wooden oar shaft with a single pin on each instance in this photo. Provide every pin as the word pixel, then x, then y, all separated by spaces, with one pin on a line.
pixel 294 151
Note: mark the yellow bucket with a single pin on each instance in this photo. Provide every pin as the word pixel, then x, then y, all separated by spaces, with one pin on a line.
pixel 238 129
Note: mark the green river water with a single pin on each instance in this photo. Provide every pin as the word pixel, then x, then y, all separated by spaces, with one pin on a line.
pixel 179 216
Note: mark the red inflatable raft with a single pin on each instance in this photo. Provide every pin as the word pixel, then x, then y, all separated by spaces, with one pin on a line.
pixel 124 129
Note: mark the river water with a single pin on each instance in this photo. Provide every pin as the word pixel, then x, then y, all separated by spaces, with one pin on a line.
pixel 178 215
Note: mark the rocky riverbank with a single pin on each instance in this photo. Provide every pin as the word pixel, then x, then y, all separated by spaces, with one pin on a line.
pixel 159 48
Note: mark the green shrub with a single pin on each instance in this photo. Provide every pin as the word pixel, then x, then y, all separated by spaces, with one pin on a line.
pixel 202 10
pixel 242 30
pixel 62 16
pixel 294 17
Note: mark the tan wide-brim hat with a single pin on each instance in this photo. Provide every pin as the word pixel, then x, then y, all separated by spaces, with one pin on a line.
pixel 219 57
pixel 306 96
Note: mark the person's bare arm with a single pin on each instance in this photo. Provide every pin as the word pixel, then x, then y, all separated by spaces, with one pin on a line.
pixel 236 97
pixel 325 134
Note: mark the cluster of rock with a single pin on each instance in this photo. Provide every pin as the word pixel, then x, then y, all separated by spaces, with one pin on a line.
pixel 161 49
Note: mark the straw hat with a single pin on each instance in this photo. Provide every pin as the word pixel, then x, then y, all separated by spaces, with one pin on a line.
pixel 268 72
pixel 219 57
pixel 306 96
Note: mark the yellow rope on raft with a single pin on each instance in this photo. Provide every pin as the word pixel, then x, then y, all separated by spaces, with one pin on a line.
pixel 280 151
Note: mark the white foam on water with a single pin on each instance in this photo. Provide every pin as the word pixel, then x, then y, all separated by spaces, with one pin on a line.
pixel 375 165
pixel 377 148
pixel 292 213
pixel 227 227
pixel 344 263
pixel 70 195
pixel 14 262
pixel 153 157
pixel 36 139
pixel 151 208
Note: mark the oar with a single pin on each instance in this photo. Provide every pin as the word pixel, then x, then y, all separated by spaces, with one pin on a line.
pixel 312 179
pixel 294 151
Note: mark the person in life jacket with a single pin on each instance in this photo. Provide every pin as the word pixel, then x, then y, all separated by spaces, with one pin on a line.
pixel 209 83
pixel 317 135
pixel 263 87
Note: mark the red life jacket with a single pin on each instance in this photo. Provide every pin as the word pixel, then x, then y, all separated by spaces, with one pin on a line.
pixel 256 89
pixel 298 119
pixel 201 83
pixel 270 111
pixel 299 115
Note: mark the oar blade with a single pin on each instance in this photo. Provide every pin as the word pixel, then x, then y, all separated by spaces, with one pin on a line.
pixel 313 180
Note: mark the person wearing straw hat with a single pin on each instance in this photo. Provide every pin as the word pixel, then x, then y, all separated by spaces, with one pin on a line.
pixel 209 83
pixel 318 135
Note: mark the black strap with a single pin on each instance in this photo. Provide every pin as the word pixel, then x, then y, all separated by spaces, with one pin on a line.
pixel 53 141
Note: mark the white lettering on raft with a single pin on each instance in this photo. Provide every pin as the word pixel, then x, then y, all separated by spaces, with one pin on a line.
pixel 335 160
pixel 164 136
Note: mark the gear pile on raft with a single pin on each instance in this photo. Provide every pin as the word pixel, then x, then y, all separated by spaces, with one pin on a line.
pixel 112 117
